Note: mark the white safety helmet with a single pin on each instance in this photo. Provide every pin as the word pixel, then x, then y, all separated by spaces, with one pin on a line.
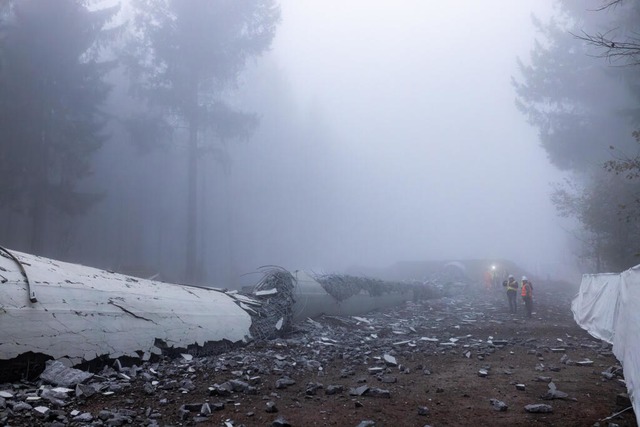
pixel 524 278
pixel 511 276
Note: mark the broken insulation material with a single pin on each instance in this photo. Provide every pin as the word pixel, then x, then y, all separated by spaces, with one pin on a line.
pixel 275 291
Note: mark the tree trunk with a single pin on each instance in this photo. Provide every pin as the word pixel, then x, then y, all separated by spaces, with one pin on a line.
pixel 37 214
pixel 37 194
pixel 192 206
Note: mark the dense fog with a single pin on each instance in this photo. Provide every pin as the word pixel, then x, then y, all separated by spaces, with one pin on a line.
pixel 391 134
pixel 332 136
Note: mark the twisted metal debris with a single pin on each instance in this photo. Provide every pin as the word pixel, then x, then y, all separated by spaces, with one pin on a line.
pixel 275 291
pixel 342 286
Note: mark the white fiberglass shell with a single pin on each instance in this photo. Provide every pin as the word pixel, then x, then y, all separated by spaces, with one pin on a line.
pixel 82 312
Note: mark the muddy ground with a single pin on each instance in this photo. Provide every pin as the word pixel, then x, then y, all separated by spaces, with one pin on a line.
pixel 419 364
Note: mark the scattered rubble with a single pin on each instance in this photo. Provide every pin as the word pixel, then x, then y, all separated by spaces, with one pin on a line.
pixel 554 393
pixel 344 370
pixel 58 374
pixel 498 405
pixel 538 408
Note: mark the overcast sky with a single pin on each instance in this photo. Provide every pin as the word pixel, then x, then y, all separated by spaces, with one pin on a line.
pixel 432 158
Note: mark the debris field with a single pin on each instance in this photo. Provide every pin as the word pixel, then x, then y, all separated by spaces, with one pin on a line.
pixel 452 361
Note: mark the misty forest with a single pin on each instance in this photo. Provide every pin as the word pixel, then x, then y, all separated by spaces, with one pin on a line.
pixel 199 140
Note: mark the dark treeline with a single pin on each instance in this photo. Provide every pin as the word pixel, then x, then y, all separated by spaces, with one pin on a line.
pixel 582 93
pixel 111 122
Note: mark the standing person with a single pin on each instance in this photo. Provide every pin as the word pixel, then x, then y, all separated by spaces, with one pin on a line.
pixel 512 290
pixel 527 295
pixel 488 280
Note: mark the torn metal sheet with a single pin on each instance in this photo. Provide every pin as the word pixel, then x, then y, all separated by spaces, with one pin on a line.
pixel 65 310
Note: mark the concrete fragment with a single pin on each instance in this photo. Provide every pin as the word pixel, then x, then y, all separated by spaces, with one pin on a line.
pixel 21 406
pixel 359 391
pixel 56 398
pixel 223 389
pixel 312 389
pixel 554 393
pixel 280 422
pixel 105 415
pixel 388 379
pixel 334 389
pixel 390 360
pixel 284 382
pixel 41 410
pixel 85 391
pixel 538 408
pixel 58 374
pixel 149 389
pixel 271 407
pixel 205 409
pixel 498 405
pixel 85 417
pixel 240 386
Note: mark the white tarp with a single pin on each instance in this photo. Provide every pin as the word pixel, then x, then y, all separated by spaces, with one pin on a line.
pixel 607 306
pixel 595 308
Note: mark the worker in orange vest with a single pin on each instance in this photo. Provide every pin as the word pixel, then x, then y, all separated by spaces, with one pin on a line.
pixel 488 280
pixel 527 295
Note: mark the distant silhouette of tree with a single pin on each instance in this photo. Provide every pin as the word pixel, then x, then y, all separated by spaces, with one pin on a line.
pixel 51 92
pixel 582 107
pixel 579 106
pixel 185 55
pixel 617 46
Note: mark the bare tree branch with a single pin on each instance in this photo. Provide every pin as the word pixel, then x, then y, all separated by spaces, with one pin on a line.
pixel 614 50
pixel 607 5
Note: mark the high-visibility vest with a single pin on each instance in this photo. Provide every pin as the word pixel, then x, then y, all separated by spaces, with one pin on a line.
pixel 512 285
pixel 526 289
